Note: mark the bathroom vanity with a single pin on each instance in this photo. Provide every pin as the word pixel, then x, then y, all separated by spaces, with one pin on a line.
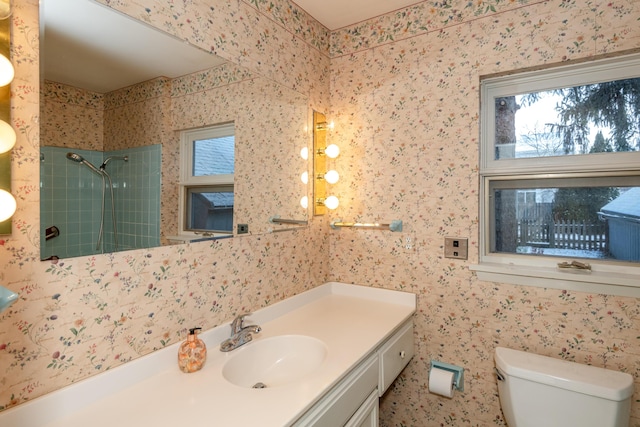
pixel 323 358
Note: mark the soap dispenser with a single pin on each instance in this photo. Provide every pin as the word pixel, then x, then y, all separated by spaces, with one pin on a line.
pixel 192 353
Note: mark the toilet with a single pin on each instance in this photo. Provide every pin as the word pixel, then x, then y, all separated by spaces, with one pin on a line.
pixel 540 391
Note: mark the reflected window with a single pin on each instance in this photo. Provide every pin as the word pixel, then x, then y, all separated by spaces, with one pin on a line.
pixel 207 174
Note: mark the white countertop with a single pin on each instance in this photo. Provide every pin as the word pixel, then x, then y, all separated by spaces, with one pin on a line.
pixel 351 320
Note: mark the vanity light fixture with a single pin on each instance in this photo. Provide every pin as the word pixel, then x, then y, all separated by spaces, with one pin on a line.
pixel 7 133
pixel 332 177
pixel 330 202
pixel 332 151
pixel 322 176
pixel 6 71
pixel 7 205
pixel 7 137
pixel 5 9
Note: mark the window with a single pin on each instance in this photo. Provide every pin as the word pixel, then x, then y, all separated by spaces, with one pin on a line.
pixel 560 177
pixel 207 166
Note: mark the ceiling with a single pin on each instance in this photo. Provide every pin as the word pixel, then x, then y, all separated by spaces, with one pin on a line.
pixel 90 46
pixel 335 14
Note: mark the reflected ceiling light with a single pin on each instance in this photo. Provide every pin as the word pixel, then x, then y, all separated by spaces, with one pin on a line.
pixel 7 137
pixel 304 177
pixel 6 71
pixel 5 9
pixel 7 205
pixel 304 202
pixel 304 153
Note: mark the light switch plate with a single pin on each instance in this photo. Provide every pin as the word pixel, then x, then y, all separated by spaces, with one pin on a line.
pixel 456 247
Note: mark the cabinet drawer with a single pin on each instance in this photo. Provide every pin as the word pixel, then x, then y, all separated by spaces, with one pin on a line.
pixel 343 400
pixel 367 414
pixel 395 355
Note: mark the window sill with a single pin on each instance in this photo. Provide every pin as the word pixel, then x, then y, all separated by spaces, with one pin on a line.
pixel 191 238
pixel 601 282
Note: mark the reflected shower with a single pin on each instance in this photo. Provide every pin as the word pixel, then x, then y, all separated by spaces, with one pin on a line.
pixel 79 159
pixel 105 176
pixel 108 159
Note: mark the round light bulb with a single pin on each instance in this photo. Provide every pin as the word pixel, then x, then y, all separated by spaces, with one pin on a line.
pixel 7 205
pixel 7 137
pixel 304 153
pixel 6 71
pixel 304 177
pixel 304 202
pixel 332 176
pixel 5 9
pixel 332 151
pixel 331 202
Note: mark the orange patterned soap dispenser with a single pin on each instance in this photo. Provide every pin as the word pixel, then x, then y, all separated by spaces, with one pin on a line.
pixel 192 353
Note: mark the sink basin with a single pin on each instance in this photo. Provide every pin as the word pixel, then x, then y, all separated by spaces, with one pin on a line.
pixel 274 361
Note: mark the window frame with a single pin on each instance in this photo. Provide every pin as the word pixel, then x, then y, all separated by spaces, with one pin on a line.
pixel 223 182
pixel 606 276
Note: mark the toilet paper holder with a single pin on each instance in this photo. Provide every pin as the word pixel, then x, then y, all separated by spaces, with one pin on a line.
pixel 458 373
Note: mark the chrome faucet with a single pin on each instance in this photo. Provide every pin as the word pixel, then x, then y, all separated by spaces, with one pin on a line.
pixel 240 334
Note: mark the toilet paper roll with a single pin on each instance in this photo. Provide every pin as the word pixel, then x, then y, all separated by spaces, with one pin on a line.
pixel 441 382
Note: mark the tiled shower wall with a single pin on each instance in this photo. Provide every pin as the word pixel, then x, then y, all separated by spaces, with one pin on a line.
pixel 71 196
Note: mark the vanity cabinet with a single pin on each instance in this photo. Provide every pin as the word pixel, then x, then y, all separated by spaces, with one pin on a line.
pixel 369 341
pixel 353 402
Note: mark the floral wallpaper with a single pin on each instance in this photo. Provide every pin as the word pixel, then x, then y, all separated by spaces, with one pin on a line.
pixel 71 117
pixel 403 93
pixel 404 99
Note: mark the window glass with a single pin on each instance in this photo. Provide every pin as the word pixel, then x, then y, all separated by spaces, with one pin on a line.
pixel 207 179
pixel 210 209
pixel 560 177
pixel 597 222
pixel 213 156
pixel 586 119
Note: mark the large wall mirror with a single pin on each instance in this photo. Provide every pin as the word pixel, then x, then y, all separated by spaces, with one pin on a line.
pixel 111 130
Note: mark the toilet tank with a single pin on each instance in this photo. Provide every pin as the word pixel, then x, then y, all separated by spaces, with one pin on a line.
pixel 540 391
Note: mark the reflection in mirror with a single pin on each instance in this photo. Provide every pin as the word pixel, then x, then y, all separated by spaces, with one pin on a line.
pixel 207 167
pixel 141 117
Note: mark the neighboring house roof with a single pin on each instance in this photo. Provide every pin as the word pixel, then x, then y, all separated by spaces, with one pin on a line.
pixel 219 200
pixel 214 156
pixel 627 204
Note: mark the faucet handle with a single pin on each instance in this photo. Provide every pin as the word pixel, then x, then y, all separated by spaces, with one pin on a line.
pixel 238 323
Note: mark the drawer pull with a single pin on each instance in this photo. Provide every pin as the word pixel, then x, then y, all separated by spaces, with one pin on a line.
pixel 402 354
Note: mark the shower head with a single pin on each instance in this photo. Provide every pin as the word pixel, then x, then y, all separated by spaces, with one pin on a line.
pixel 75 157
pixel 79 159
pixel 108 159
